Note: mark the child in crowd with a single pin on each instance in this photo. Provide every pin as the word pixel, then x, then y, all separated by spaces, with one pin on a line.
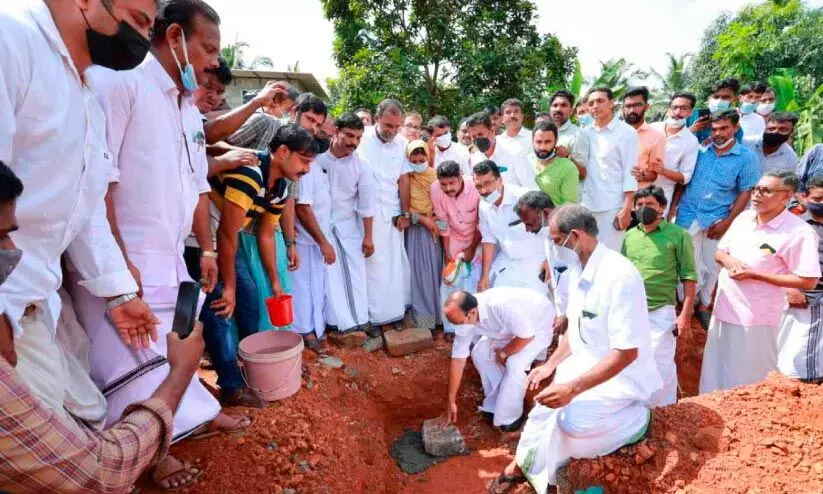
pixel 423 239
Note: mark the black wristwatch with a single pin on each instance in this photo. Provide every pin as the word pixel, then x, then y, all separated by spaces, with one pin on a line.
pixel 290 243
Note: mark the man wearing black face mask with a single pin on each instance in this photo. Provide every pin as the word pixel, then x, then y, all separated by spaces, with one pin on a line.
pixel 662 252
pixel 45 51
pixel 514 165
pixel 772 148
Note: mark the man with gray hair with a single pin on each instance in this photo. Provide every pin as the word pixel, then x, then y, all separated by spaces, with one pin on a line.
pixel 597 401
pixel 387 269
pixel 767 251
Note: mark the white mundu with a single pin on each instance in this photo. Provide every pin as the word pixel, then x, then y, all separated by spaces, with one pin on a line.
pixel 519 253
pixel 606 311
pixel 353 198
pixel 503 314
pixel 388 282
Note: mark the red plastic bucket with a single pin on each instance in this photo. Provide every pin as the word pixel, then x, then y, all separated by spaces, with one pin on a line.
pixel 272 363
pixel 281 312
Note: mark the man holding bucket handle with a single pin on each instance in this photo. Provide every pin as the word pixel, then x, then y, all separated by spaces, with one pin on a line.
pixel 242 196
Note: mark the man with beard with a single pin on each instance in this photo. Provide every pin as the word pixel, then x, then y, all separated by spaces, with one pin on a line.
pixel 719 191
pixel 444 148
pixel 652 142
pixel 572 142
pixel 515 135
pixel 609 184
pixel 513 164
pixel 772 147
pixel 388 268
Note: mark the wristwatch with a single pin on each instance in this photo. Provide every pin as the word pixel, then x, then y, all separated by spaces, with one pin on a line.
pixel 415 218
pixel 289 243
pixel 406 215
pixel 208 253
pixel 117 302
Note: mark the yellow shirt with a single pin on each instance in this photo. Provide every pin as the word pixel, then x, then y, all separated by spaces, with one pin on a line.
pixel 420 185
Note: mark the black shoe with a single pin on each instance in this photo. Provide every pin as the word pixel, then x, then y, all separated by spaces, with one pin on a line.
pixel 311 342
pixel 514 426
pixel 373 331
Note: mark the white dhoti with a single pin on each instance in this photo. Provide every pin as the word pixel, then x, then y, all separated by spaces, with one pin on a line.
pixel 518 273
pixel 54 365
pixel 664 345
pixel 737 355
pixel 388 274
pixel 588 427
pixel 504 388
pixel 126 376
pixel 607 235
pixel 347 296
pixel 309 288
pixel 708 270
pixel 800 345
pixel 467 283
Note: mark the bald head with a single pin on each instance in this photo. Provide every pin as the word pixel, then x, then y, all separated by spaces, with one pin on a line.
pixel 461 308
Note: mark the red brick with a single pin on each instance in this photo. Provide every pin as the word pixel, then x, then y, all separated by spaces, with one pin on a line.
pixel 354 339
pixel 399 343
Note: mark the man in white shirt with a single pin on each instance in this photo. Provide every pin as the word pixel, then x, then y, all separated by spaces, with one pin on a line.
pixel 515 167
pixel 681 146
pixel 572 142
pixel 351 217
pixel 464 138
pixel 157 197
pixel 516 135
pixel 608 190
pixel 597 401
pixel 444 148
pixel 514 326
pixel 511 255
pixel 751 123
pixel 388 281
pixel 772 148
pixel 64 212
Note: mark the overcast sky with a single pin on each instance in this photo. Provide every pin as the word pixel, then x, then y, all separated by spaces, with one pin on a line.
pixel 640 30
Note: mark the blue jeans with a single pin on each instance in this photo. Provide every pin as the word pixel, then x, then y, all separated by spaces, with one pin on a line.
pixel 217 330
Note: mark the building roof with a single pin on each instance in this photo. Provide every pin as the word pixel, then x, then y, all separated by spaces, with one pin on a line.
pixel 306 80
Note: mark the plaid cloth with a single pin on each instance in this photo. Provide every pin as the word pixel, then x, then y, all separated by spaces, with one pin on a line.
pixel 39 453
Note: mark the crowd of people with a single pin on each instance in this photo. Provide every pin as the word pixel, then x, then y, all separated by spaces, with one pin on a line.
pixel 566 258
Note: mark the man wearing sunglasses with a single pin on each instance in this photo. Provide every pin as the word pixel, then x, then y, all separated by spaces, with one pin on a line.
pixel 767 251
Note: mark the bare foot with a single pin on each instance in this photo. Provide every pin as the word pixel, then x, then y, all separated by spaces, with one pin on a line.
pixel 171 473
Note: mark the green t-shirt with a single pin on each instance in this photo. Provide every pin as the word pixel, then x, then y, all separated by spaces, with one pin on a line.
pixel 559 180
pixel 663 256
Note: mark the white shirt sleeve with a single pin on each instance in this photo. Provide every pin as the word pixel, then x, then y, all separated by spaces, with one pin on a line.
pixel 366 205
pixel 115 93
pixel 485 230
pixel 580 151
pixel 629 151
pixel 689 161
pixel 10 84
pixel 98 258
pixel 461 348
pixel 306 184
pixel 628 314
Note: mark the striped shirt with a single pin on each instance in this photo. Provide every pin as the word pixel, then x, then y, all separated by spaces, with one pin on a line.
pixel 246 188
pixel 41 453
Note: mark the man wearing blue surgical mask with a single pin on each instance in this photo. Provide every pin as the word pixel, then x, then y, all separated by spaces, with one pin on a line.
pixel 752 124
pixel 723 96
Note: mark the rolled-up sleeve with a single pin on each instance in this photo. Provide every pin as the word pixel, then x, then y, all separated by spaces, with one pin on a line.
pixel 366 205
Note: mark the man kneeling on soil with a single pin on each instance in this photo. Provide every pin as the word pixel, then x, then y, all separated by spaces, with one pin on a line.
pixel 515 327
pixel 605 366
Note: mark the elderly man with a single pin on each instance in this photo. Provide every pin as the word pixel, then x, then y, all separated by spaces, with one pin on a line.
pixel 719 191
pixel 766 251
pixel 662 253
pixel 515 135
pixel 514 326
pixel 364 114
pixel 45 48
pixel 605 372
pixel 444 148
pixel 613 153
pixel 388 282
pixel 456 201
pixel 772 147
pixel 572 142
pixel 515 167
pixel 681 146
pixel 800 348
pixel 511 255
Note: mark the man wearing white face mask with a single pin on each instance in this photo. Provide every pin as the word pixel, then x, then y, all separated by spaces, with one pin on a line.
pixel 511 255
pixel 445 149
pixel 752 123
pixel 681 146
pixel 767 103
pixel 719 191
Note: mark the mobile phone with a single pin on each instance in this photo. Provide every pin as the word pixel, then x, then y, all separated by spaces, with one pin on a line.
pixel 185 312
pixel 703 113
pixel 616 224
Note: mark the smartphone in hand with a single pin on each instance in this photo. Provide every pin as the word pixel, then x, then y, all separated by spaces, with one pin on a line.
pixel 703 113
pixel 185 312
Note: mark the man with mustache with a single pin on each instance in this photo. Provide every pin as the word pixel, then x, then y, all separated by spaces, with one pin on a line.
pixel 572 142
pixel 515 134
pixel 652 142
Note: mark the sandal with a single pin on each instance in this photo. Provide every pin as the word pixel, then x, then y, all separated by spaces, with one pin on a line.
pixel 505 483
pixel 241 424
pixel 161 473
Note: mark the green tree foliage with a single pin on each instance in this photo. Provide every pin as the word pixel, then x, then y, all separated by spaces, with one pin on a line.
pixel 617 75
pixel 447 56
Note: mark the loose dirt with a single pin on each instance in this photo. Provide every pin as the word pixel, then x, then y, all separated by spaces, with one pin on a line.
pixel 335 435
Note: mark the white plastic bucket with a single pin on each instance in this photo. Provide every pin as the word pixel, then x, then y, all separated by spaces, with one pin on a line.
pixel 271 363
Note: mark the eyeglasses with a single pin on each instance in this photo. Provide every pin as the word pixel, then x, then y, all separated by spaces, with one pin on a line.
pixel 757 189
pixel 411 126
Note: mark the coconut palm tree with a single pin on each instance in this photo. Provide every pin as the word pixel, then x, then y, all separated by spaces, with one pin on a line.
pixel 233 54
pixel 676 78
pixel 617 75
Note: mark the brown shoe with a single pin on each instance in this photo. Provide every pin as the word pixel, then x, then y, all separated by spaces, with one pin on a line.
pixel 243 397
pixel 311 342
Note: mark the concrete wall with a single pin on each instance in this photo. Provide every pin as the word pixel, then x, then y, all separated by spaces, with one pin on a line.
pixel 234 91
